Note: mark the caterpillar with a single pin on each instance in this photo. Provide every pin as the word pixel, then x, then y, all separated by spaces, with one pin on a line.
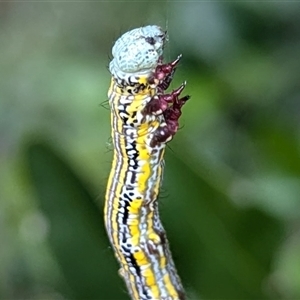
pixel 144 118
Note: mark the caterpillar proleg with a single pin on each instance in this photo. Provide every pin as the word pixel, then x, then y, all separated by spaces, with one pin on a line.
pixel 144 118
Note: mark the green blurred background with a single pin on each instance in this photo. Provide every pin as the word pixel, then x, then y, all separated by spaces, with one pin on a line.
pixel 231 195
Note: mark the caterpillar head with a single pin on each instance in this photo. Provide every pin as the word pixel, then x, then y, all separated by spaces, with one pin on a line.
pixel 137 51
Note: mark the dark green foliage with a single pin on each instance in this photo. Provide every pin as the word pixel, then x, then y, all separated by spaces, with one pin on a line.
pixel 77 235
pixel 220 253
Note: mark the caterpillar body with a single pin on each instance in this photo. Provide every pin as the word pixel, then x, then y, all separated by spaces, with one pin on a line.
pixel 143 119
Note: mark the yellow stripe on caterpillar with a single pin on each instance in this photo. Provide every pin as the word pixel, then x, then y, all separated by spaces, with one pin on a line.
pixel 143 119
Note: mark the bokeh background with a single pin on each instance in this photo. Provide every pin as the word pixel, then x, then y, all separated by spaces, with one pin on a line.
pixel 231 195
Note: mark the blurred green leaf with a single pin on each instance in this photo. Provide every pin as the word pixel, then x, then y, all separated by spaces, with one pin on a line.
pixel 223 252
pixel 77 235
pixel 278 142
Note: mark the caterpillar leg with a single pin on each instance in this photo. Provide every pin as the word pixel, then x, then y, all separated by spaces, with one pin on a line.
pixel 164 73
pixel 167 71
pixel 160 103
pixel 166 131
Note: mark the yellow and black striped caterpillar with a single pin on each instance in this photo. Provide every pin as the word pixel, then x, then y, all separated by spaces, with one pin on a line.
pixel 143 119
